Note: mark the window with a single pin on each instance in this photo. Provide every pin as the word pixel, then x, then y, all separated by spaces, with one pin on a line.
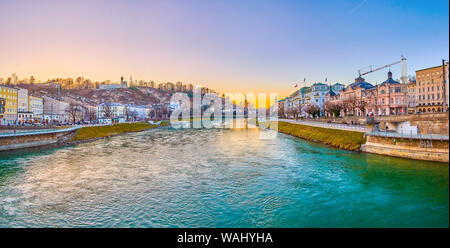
pixel 438 96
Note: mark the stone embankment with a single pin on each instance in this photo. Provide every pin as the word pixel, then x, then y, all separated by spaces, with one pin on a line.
pixel 430 147
pixel 68 136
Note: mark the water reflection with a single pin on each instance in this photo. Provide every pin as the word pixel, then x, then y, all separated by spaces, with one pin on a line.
pixel 218 178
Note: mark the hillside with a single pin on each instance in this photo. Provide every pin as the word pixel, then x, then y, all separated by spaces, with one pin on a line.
pixel 93 97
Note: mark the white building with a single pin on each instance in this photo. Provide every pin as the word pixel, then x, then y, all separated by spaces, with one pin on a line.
pixel 141 112
pixel 22 95
pixel 36 106
pixel 317 94
pixel 25 117
pixel 116 111
pixel 109 86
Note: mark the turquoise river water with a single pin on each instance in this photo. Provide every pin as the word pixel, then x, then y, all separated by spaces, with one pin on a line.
pixel 217 178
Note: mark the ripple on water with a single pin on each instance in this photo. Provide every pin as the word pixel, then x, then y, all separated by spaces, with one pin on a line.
pixel 218 178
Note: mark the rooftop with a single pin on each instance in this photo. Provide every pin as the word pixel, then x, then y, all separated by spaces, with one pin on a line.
pixel 390 80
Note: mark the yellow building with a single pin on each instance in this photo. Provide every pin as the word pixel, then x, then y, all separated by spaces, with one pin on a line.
pixel 430 90
pixel 9 97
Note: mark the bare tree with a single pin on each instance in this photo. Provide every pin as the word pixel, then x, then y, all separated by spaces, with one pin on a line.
pixel 165 111
pixel 361 105
pixel 313 110
pixel 295 112
pixel 89 114
pixel 107 110
pixel 336 108
pixel 327 106
pixel 133 115
pixel 127 113
pixel 75 111
pixel 349 106
pixel 281 112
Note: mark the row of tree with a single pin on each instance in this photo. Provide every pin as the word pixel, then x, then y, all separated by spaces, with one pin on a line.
pixel 330 109
pixel 312 110
pixel 77 112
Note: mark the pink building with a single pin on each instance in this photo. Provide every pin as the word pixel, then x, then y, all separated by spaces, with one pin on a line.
pixel 361 98
pixel 392 98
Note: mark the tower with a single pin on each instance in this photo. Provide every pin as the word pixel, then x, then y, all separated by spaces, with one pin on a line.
pixel 123 84
pixel 404 71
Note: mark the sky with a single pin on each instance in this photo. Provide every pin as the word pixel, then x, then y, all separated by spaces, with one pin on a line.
pixel 231 46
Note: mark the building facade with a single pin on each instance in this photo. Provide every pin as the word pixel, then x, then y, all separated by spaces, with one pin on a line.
pixel 110 110
pixel 36 106
pixel 411 95
pixel 55 111
pixel 392 97
pixel 430 89
pixel 317 94
pixel 362 98
pixel 8 96
pixel 140 112
pixel 447 86
pixel 24 115
pixel 354 93
pixel 22 95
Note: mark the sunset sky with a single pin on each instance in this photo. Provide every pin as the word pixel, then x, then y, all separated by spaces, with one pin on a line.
pixel 242 45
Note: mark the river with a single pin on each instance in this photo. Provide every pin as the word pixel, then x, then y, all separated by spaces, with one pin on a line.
pixel 217 178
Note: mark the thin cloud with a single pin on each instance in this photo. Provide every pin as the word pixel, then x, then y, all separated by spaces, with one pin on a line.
pixel 358 6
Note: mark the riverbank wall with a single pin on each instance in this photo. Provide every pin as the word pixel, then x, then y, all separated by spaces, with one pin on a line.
pixel 33 138
pixel 421 149
pixel 69 136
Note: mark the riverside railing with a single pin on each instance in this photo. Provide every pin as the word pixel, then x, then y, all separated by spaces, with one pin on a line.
pixel 407 135
pixel 48 131
pixel 350 127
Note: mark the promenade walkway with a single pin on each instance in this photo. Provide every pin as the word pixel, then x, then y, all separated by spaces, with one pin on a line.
pixel 42 131
pixel 357 128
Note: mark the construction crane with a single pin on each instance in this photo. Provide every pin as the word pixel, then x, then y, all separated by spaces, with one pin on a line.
pixel 404 73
